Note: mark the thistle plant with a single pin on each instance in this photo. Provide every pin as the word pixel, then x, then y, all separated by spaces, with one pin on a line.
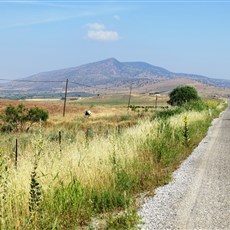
pixel 35 191
pixel 38 145
pixel 186 137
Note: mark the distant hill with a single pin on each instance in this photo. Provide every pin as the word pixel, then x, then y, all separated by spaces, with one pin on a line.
pixel 106 74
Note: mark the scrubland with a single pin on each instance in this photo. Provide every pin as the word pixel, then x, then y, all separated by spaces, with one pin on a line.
pixel 77 172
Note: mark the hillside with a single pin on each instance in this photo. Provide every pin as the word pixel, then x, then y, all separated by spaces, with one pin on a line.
pixel 107 75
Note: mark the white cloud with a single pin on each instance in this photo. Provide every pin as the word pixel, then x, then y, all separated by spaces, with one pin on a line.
pixel 117 17
pixel 99 32
pixel 103 35
pixel 95 26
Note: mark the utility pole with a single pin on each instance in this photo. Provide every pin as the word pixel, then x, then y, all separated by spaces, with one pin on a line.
pixel 156 101
pixel 66 88
pixel 129 96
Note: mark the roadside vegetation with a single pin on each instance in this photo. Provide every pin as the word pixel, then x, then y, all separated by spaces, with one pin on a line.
pixel 81 172
pixel 20 118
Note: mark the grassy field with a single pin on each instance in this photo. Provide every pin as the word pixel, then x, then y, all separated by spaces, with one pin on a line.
pixel 123 99
pixel 91 175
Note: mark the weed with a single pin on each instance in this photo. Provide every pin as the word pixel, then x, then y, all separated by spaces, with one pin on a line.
pixel 35 187
pixel 127 220
pixel 89 133
pixel 166 113
pixel 196 106
pixel 35 192
pixel 186 138
pixel 3 192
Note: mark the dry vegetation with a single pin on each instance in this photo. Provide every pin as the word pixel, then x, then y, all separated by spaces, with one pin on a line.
pixel 99 165
pixel 109 108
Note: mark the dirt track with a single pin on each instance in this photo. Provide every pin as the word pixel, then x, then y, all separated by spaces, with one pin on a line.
pixel 199 195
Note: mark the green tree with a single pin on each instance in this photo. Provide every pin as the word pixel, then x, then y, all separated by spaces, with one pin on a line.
pixel 21 118
pixel 183 94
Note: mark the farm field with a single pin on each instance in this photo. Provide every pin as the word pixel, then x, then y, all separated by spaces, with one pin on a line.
pixel 71 169
pixel 105 107
pixel 105 100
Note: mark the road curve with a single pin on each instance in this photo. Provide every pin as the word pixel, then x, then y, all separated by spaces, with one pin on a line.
pixel 199 195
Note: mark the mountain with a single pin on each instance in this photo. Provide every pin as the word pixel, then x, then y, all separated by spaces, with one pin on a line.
pixel 104 72
pixel 109 73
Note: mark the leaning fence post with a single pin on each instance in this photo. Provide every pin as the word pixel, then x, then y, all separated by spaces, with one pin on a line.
pixel 16 153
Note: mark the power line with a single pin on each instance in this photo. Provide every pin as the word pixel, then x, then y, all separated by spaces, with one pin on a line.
pixel 44 81
pixel 90 86
pixel 54 81
pixel 49 81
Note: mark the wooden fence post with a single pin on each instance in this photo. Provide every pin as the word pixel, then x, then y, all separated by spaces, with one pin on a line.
pixel 156 102
pixel 59 139
pixel 16 154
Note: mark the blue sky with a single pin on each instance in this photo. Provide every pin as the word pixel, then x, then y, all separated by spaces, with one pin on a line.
pixel 181 36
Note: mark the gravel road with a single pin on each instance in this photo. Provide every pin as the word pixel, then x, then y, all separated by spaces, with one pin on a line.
pixel 199 195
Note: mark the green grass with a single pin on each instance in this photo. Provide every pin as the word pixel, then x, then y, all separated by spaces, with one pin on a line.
pixel 121 100
pixel 95 175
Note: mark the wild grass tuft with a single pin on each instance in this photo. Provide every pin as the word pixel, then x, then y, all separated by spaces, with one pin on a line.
pixel 3 192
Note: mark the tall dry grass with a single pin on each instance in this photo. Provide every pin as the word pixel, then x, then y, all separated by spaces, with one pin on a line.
pixel 86 175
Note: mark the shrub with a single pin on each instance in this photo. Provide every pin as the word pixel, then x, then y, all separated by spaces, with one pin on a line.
pixel 21 118
pixel 164 114
pixel 196 106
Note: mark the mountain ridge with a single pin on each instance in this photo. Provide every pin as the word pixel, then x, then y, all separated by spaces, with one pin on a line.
pixel 108 73
pixel 122 66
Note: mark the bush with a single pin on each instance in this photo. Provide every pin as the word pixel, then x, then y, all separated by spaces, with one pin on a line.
pixel 164 114
pixel 183 94
pixel 21 118
pixel 189 106
pixel 196 106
